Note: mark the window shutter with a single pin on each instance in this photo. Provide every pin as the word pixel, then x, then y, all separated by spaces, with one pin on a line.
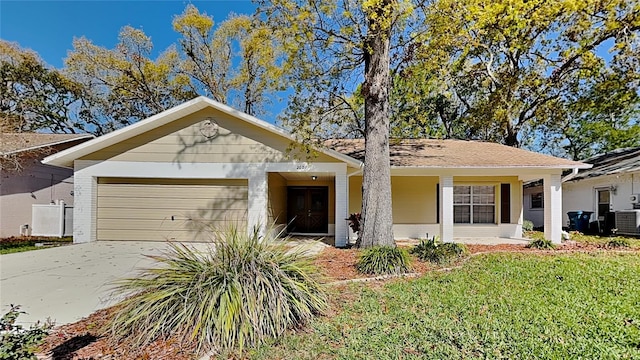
pixel 505 203
pixel 438 203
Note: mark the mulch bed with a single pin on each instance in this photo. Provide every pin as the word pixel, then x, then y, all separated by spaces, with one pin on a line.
pixel 81 340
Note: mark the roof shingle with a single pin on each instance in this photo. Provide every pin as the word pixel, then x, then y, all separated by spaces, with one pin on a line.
pixel 431 153
pixel 16 142
pixel 614 162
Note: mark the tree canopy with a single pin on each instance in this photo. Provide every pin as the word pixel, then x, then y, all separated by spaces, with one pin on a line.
pixel 519 72
pixel 554 76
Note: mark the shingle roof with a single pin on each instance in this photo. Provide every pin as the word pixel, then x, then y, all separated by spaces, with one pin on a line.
pixel 432 153
pixel 614 162
pixel 16 142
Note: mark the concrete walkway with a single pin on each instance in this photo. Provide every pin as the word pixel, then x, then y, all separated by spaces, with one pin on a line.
pixel 70 282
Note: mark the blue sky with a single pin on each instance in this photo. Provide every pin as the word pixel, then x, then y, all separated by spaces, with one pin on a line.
pixel 49 26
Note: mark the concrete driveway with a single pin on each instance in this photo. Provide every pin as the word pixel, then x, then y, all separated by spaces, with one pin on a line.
pixel 70 282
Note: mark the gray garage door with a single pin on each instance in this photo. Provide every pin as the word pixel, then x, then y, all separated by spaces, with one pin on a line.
pixel 168 209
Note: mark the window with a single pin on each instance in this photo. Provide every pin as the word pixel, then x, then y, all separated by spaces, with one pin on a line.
pixel 537 201
pixel 474 204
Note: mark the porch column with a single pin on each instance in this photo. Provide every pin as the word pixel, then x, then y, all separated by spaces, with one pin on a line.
pixel 257 210
pixel 342 206
pixel 553 207
pixel 446 208
pixel 85 193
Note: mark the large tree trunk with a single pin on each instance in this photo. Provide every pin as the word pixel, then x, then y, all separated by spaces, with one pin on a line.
pixel 377 219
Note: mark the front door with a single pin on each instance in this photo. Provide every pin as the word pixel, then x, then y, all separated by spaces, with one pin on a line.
pixel 308 210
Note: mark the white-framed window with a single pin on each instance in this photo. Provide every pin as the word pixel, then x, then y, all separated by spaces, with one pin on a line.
pixel 474 204
pixel 537 200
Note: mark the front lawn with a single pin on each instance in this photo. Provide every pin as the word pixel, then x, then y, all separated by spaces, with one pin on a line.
pixel 592 240
pixel 28 243
pixel 497 306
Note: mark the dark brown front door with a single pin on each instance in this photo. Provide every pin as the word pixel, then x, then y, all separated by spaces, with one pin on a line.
pixel 308 209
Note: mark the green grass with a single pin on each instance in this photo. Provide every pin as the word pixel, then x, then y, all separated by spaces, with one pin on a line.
pixel 634 242
pixel 496 306
pixel 21 244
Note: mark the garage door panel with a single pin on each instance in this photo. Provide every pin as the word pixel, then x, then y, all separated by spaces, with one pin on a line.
pixel 156 235
pixel 183 204
pixel 168 225
pixel 170 192
pixel 166 214
pixel 162 209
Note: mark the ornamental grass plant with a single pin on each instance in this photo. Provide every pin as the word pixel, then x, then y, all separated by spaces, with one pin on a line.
pixel 383 260
pixel 240 292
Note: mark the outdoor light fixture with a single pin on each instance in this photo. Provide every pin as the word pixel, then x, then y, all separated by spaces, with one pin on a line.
pixel 313 177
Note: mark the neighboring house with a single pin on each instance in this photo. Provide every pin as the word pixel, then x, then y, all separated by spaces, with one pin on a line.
pixel 203 163
pixel 606 187
pixel 35 183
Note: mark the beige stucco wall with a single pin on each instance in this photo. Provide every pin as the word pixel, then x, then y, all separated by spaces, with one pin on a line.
pixel 182 141
pixel 277 198
pixel 414 198
pixel 36 184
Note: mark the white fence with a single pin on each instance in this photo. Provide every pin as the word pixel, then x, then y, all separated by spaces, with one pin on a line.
pixel 52 220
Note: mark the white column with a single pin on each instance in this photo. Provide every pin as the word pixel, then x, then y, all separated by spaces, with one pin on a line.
pixel 520 200
pixel 446 208
pixel 85 196
pixel 342 207
pixel 61 218
pixel 257 211
pixel 553 207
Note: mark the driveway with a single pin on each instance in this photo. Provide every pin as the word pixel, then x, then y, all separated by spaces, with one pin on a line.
pixel 68 283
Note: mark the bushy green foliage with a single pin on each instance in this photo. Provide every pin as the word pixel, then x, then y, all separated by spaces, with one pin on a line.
pixel 27 243
pixel 542 244
pixel 17 342
pixel 241 291
pixel 383 260
pixel 497 306
pixel 439 253
pixel 527 225
pixel 618 243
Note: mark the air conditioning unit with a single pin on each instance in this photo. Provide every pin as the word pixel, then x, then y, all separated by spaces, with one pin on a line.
pixel 635 198
pixel 628 222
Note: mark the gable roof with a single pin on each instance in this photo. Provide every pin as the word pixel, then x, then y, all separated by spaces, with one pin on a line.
pixel 12 143
pixel 65 158
pixel 614 162
pixel 431 153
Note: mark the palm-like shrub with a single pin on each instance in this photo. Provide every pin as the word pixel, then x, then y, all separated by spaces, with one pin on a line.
pixel 382 260
pixel 240 292
pixel 618 243
pixel 433 251
pixel 542 244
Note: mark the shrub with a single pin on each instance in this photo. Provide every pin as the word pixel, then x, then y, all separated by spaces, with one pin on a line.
pixel 527 225
pixel 354 222
pixel 17 342
pixel 542 244
pixel 618 243
pixel 431 250
pixel 383 260
pixel 242 291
